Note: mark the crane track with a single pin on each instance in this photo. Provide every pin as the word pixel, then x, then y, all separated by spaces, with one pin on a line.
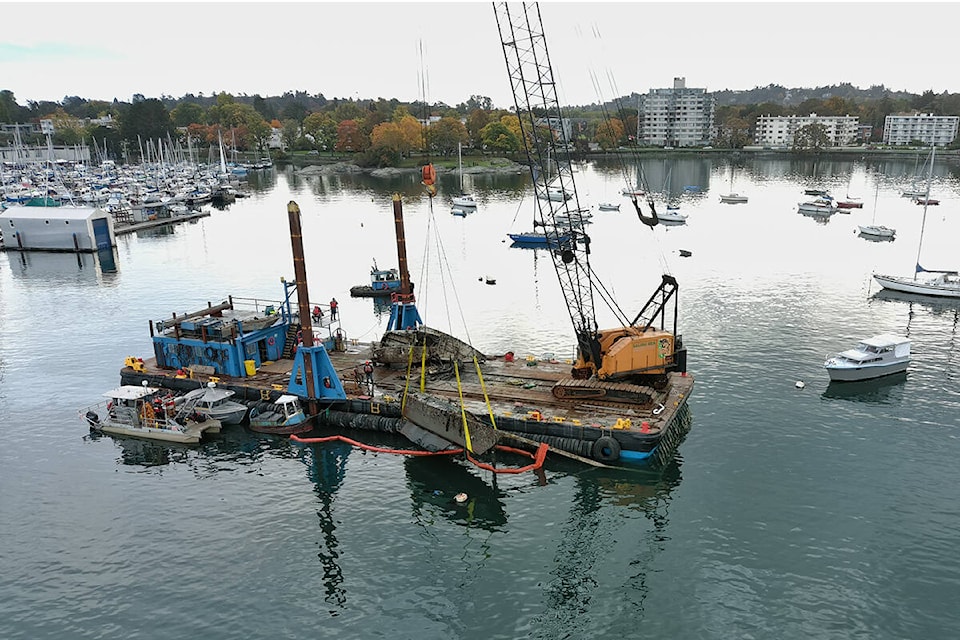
pixel 615 394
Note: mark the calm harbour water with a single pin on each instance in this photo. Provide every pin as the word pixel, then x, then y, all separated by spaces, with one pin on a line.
pixel 822 512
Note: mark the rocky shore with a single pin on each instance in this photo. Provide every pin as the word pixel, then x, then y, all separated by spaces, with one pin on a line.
pixel 494 165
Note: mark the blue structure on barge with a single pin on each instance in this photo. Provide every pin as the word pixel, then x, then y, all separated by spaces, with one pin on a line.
pixel 238 336
pixel 230 340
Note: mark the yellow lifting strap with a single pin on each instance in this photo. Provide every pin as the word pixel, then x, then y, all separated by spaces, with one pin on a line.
pixel 463 410
pixel 483 387
pixel 406 384
pixel 423 365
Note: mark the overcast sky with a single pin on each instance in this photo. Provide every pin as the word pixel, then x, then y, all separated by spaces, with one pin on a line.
pixel 448 51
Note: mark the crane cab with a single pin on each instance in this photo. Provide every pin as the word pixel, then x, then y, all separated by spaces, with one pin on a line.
pixel 630 353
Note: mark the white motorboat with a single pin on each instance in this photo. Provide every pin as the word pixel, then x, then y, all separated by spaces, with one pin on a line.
pixel 148 412
pixel 465 200
pixel 820 206
pixel 872 358
pixel 608 206
pixel 877 231
pixel 216 403
pixel 672 215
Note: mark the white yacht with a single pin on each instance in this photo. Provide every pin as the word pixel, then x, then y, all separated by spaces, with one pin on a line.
pixel 872 358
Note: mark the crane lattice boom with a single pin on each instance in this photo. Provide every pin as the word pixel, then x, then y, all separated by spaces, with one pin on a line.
pixel 546 144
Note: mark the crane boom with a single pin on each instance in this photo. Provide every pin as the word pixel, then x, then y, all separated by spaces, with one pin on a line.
pixel 622 359
pixel 541 122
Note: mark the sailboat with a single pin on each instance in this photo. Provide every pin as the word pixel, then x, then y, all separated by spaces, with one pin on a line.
pixel 945 284
pixel 672 214
pixel 873 231
pixel 464 200
pixel 732 197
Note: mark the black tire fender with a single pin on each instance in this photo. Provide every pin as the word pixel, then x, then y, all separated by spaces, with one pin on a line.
pixel 606 449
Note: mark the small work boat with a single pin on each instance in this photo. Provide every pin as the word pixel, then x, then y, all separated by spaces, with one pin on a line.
pixel 148 412
pixel 383 282
pixel 283 417
pixel 872 358
pixel 216 403
pixel 608 206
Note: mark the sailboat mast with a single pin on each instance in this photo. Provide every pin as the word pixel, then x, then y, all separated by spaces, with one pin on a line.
pixel 926 201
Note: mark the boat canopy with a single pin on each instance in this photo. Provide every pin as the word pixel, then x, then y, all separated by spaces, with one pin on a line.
pixel 886 341
pixel 130 392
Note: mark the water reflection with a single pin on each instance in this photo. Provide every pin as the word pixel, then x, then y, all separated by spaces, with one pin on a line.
pixel 435 481
pixel 592 532
pixel 232 444
pixel 327 467
pixel 57 269
pixel 886 390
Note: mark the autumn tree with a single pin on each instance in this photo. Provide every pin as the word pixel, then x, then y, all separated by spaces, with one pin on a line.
pixel 609 133
pixel 477 120
pixel 388 144
pixel 349 137
pixel 412 132
pixel 444 135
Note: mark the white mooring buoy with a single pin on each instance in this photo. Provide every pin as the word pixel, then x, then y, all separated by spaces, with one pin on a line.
pixel 800 384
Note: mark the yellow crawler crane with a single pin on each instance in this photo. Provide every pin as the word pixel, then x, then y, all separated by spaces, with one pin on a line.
pixel 617 365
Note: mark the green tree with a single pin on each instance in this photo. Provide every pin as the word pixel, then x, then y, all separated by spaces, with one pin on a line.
pixel 187 113
pixel 322 129
pixel 496 136
pixel 148 119
pixel 290 133
pixel 811 137
pixel 10 111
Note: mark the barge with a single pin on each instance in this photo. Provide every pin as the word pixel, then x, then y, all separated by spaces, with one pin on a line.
pixel 519 392
pixel 427 385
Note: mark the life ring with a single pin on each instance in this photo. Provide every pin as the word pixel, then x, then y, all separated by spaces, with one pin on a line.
pixel 428 174
pixel 606 449
pixel 271 341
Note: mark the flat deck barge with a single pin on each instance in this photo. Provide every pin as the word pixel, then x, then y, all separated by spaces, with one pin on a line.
pixel 519 393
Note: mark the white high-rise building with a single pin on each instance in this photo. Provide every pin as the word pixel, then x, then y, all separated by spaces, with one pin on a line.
pixel 677 117
pixel 779 131
pixel 927 128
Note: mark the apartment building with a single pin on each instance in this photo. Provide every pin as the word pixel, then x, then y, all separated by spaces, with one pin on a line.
pixel 779 131
pixel 900 129
pixel 677 117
